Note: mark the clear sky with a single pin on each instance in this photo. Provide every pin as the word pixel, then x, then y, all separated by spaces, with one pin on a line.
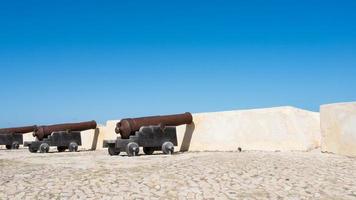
pixel 63 61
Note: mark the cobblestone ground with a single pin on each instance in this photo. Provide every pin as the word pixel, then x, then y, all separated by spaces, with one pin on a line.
pixel 208 175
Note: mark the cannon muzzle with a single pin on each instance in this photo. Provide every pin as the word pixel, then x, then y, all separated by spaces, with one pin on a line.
pixel 129 126
pixel 43 131
pixel 18 130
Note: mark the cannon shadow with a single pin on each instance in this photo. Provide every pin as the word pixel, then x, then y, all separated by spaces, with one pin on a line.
pixel 189 129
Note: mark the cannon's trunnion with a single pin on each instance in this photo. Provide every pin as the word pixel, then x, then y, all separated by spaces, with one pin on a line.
pixel 151 138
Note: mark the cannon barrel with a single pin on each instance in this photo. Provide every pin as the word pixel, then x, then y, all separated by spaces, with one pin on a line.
pixel 18 130
pixel 43 131
pixel 129 126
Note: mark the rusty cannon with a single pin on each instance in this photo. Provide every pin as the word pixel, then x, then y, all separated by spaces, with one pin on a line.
pixel 12 138
pixel 63 136
pixel 152 133
pixel 129 126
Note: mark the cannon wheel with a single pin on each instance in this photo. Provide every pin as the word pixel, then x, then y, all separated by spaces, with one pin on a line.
pixel 132 149
pixel 73 147
pixel 32 149
pixel 148 150
pixel 44 148
pixel 112 151
pixel 8 146
pixel 61 148
pixel 15 145
pixel 168 148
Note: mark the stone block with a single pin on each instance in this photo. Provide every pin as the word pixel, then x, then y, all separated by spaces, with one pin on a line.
pixel 338 128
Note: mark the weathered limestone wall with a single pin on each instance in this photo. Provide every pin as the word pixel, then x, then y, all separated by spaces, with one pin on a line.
pixel 28 137
pixel 338 128
pixel 271 129
pixel 281 128
pixel 107 133
pixel 90 138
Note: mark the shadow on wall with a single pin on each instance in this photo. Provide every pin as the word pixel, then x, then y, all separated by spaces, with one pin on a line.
pixel 189 129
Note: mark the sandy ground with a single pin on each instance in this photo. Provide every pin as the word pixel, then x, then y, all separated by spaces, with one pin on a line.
pixel 206 175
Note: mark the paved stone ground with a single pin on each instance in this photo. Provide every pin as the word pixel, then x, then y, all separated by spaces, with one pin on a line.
pixel 208 175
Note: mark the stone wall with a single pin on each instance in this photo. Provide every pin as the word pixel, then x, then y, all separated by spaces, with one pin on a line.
pixel 268 129
pixel 272 129
pixel 338 128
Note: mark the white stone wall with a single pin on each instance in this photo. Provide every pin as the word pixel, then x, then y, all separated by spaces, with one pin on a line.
pixel 269 129
pixel 338 128
pixel 281 128
pixel 90 138
pixel 28 137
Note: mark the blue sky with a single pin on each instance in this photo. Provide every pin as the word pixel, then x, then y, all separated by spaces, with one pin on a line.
pixel 63 61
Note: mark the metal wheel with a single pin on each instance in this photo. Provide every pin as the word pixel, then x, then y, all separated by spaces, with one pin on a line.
pixel 73 147
pixel 44 148
pixel 132 149
pixel 148 150
pixel 168 148
pixel 32 149
pixel 112 151
pixel 8 146
pixel 61 148
pixel 15 145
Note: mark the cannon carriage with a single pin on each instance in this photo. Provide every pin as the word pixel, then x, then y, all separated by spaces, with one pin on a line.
pixel 12 138
pixel 62 136
pixel 156 133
